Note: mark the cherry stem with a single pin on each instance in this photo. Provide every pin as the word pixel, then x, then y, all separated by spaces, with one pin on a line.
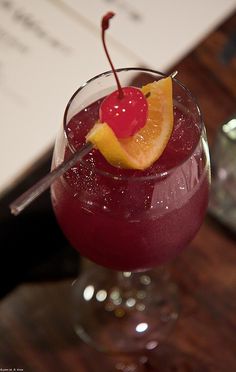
pixel 105 26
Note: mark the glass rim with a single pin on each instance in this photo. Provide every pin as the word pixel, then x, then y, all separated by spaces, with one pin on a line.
pixel 133 178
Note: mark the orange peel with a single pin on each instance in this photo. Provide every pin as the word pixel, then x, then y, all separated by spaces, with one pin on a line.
pixel 142 149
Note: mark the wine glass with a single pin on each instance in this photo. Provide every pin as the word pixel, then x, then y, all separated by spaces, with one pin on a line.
pixel 129 223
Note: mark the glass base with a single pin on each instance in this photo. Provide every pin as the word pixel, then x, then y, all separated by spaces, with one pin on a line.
pixel 122 311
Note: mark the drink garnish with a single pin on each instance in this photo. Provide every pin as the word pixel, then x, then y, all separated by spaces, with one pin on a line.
pixel 134 124
pixel 142 149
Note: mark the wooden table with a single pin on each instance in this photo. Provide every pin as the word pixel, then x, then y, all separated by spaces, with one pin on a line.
pixel 36 333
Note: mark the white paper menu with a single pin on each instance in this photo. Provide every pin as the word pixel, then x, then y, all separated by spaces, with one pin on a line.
pixel 50 47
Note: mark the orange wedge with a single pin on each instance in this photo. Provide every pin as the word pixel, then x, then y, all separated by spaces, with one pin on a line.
pixel 146 146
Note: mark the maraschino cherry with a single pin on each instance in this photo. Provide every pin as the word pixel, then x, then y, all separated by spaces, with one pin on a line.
pixel 126 109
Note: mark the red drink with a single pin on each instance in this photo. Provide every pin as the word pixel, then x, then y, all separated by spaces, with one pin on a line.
pixel 128 219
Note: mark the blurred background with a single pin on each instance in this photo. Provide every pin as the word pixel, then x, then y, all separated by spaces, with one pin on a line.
pixel 48 48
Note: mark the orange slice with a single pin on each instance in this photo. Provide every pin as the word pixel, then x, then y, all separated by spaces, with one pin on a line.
pixel 146 146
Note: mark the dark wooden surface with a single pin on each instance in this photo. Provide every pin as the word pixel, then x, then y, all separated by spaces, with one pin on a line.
pixel 36 333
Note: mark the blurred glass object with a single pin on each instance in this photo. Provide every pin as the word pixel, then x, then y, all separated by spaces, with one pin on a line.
pixel 223 191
